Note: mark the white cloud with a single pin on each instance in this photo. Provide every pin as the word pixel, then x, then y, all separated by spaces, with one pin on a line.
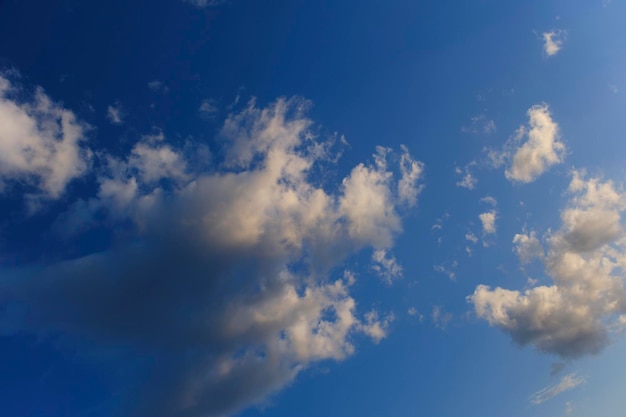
pixel 115 114
pixel 42 144
pixel 568 382
pixel 449 271
pixel 488 220
pixel 471 237
pixel 489 200
pixel 229 277
pixel 542 149
pixel 468 180
pixel 412 171
pixel 553 41
pixel 387 268
pixel 585 259
pixel 527 247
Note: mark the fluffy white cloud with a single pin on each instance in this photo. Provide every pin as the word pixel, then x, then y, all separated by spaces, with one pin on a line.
pixel 527 247
pixel 568 382
pixel 541 150
pixel 553 41
pixel 585 260
pixel 488 221
pixel 229 278
pixel 41 144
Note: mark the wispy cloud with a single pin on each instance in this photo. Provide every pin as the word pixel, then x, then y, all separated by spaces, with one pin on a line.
pixel 568 382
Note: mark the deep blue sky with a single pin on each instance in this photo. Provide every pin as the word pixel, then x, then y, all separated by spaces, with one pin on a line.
pixel 122 301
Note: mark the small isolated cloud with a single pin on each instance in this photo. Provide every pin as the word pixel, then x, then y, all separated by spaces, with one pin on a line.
pixel 541 150
pixel 585 258
pixel 489 200
pixel 569 408
pixel 471 237
pixel 440 317
pixel 568 382
pixel 468 180
pixel 158 86
pixel 480 124
pixel 115 114
pixel 386 267
pixel 208 108
pixel 42 144
pixel 488 220
pixel 413 312
pixel 447 270
pixel 553 41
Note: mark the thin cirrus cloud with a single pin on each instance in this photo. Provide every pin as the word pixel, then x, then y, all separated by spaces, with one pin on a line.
pixel 232 282
pixel 568 382
pixel 577 314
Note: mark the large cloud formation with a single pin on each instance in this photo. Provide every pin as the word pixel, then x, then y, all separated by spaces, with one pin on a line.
pixel 586 258
pixel 231 281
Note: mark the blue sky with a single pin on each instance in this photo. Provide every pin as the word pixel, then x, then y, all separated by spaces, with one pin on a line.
pixel 312 208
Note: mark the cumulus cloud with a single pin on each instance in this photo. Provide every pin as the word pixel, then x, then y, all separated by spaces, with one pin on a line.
pixel 568 382
pixel 230 283
pixel 488 220
pixel 527 247
pixel 540 150
pixel 553 41
pixel 585 259
pixel 42 145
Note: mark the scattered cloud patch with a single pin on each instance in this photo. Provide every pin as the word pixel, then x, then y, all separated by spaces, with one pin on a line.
pixel 440 317
pixel 489 200
pixel 449 271
pixel 541 150
pixel 480 124
pixel 527 247
pixel 115 114
pixel 585 259
pixel 386 267
pixel 471 237
pixel 568 382
pixel 43 146
pixel 468 180
pixel 553 41
pixel 158 86
pixel 488 221
pixel 208 108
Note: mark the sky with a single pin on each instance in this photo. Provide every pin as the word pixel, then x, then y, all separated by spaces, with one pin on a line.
pixel 214 208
